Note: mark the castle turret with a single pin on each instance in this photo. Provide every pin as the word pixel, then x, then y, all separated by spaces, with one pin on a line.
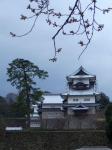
pixel 81 80
pixel 81 92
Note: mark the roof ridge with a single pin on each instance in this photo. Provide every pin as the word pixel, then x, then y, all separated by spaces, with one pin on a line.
pixel 77 72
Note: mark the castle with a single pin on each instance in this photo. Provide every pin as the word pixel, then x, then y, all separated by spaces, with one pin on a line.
pixel 76 108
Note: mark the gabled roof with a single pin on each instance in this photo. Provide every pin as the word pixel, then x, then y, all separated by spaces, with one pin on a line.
pixel 80 72
pixel 80 107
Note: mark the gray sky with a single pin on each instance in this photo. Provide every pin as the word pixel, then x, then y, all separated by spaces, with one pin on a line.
pixel 38 48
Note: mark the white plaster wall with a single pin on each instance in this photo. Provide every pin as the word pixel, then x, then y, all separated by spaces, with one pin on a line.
pixel 81 99
pixel 86 81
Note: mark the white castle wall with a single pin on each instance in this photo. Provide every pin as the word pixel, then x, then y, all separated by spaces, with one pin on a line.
pixel 81 99
pixel 85 81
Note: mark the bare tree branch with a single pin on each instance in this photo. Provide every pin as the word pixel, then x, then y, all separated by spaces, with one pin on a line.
pixel 77 17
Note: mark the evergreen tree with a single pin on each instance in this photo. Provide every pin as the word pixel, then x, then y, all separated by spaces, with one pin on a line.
pixel 22 75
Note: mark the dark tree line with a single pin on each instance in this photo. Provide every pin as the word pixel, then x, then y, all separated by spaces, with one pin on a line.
pixel 108 115
pixel 4 107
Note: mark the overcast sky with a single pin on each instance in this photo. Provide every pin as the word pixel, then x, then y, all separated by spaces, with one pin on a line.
pixel 38 48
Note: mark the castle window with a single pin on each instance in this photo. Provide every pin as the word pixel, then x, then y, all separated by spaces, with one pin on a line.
pixel 87 99
pixel 75 99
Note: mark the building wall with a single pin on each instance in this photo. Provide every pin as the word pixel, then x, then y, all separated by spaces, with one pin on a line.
pixel 54 123
pixel 92 110
pixel 69 119
pixel 70 122
pixel 52 114
pixel 81 99
pixel 85 81
pixel 81 122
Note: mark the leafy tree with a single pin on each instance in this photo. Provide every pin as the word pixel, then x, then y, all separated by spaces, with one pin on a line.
pixel 108 116
pixel 19 107
pixel 76 18
pixel 103 100
pixel 108 113
pixel 22 74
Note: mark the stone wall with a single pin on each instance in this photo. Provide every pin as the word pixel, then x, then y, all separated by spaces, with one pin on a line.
pixel 53 140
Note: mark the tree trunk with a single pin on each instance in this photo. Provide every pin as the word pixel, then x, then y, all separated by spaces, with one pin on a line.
pixel 27 100
pixel 28 110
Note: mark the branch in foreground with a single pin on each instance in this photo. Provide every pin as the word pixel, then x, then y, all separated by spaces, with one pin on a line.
pixel 77 18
